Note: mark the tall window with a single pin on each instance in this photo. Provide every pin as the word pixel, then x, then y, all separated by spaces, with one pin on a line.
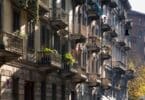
pixel 46 37
pixel 54 92
pixel 63 4
pixel 0 14
pixel 16 20
pixel 15 88
pixel 31 32
pixel 63 92
pixel 43 90
pixel 29 90
pixel 57 43
pixel 84 58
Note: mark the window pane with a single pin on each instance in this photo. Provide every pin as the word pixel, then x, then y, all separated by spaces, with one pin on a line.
pixel 43 90
pixel 31 31
pixel 0 15
pixel 63 92
pixel 16 20
pixel 15 88
pixel 54 92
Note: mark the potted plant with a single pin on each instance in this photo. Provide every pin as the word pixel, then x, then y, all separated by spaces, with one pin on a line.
pixel 70 60
pixel 48 51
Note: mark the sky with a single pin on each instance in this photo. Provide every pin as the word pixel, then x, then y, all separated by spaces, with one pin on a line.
pixel 138 5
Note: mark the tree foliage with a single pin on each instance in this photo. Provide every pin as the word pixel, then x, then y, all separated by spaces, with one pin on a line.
pixel 136 87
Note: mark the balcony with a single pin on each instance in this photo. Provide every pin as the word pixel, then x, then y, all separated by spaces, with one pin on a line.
pixel 67 70
pixel 29 5
pixel 44 4
pixel 119 66
pixel 113 4
pixel 106 83
pixel 78 38
pixel 94 10
pixel 119 41
pixel 80 74
pixel 73 72
pixel 112 33
pixel 62 32
pixel 43 61
pixel 130 74
pixel 121 15
pixel 58 18
pixel 105 24
pixel 128 24
pixel 78 2
pixel 105 53
pixel 105 2
pixel 93 80
pixel 127 44
pixel 73 69
pixel 92 14
pixel 11 46
pixel 92 47
pixel 20 3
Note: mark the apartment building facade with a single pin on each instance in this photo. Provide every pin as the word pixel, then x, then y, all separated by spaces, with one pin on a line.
pixel 137 37
pixel 64 49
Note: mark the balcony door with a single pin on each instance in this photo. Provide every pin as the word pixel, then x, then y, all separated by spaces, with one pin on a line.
pixel 29 90
pixel 15 88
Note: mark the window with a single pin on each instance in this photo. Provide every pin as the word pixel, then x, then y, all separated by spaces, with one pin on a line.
pixel 54 92
pixel 93 65
pixel 63 4
pixel 16 20
pixel 46 36
pixel 29 90
pixel 57 43
pixel 15 88
pixel 126 32
pixel 62 92
pixel 84 58
pixel 31 32
pixel 43 90
pixel 0 14
pixel 73 95
pixel 93 30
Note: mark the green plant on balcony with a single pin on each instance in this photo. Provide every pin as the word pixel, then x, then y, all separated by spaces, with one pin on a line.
pixel 52 53
pixel 48 51
pixel 69 59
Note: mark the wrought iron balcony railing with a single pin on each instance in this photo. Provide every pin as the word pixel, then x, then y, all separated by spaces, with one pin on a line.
pixel 94 10
pixel 93 80
pixel 77 37
pixel 76 71
pixel 52 59
pixel 113 4
pixel 106 24
pixel 119 66
pixel 130 74
pixel 105 2
pixel 93 47
pixel 105 53
pixel 42 60
pixel 119 41
pixel 121 15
